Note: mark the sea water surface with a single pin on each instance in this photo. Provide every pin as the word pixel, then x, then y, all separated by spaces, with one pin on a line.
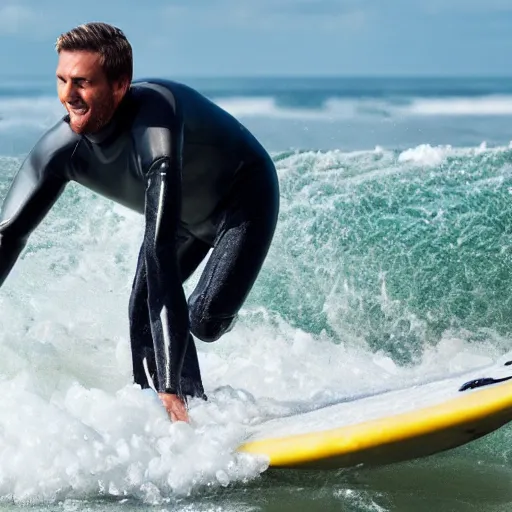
pixel 391 264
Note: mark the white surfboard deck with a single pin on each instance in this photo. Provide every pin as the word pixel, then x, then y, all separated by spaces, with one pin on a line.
pixel 388 427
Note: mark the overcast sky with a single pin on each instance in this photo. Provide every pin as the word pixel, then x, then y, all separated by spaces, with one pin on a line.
pixel 273 37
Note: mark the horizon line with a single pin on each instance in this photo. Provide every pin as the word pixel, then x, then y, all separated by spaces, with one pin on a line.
pixel 403 76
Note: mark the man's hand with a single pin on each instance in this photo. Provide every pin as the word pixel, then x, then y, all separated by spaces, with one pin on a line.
pixel 175 407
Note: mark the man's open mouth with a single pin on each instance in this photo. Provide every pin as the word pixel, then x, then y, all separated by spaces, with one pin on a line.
pixel 78 109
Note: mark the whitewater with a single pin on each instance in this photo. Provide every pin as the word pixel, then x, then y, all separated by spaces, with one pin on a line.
pixel 390 266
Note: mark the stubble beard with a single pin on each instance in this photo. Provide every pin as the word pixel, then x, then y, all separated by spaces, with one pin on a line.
pixel 94 120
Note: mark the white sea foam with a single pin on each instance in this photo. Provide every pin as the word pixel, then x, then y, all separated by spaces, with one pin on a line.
pixel 425 154
pixel 431 156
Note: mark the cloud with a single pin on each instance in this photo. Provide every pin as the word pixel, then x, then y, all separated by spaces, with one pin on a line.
pixel 23 21
pixel 271 15
pixel 467 6
pixel 318 7
pixel 347 16
pixel 14 18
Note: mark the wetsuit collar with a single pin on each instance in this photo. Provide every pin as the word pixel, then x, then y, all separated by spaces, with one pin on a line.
pixel 103 134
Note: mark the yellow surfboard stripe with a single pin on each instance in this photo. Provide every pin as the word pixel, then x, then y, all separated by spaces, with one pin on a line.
pixel 481 410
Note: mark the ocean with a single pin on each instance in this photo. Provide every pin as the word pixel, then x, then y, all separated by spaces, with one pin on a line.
pixel 391 264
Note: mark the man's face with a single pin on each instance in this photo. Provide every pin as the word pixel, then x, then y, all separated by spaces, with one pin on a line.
pixel 85 91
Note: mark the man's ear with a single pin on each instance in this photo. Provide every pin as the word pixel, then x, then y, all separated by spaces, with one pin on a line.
pixel 121 86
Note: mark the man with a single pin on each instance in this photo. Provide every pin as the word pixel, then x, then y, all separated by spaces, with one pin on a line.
pixel 199 177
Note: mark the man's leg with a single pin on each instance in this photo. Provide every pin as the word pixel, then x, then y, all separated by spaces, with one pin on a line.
pixel 191 252
pixel 241 245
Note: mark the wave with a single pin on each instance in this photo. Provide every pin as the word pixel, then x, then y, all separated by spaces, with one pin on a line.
pixel 388 267
pixel 336 108
pixel 42 111
pixel 485 106
pixel 27 111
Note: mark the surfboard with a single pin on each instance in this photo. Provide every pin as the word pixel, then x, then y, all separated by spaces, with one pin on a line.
pixel 391 426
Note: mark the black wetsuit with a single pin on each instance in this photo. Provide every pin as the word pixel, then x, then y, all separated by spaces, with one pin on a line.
pixel 201 180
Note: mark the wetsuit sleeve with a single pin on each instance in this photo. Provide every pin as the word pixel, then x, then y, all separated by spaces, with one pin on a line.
pixel 168 310
pixel 32 193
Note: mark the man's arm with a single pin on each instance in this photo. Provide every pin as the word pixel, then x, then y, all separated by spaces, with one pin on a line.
pixel 168 310
pixel 33 192
pixel 158 136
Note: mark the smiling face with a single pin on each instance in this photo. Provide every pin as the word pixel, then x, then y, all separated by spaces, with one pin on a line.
pixel 85 91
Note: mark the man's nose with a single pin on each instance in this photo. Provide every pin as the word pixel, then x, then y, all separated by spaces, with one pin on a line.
pixel 70 92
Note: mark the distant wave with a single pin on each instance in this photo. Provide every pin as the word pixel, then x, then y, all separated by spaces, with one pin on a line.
pixel 485 105
pixel 22 112
pixel 42 111
pixel 336 108
pixel 269 106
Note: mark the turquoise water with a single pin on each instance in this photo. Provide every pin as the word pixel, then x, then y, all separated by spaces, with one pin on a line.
pixel 416 243
pixel 390 265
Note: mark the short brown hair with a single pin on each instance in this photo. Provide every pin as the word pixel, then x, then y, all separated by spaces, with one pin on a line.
pixel 107 40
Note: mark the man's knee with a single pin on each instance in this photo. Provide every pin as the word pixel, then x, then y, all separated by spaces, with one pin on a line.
pixel 210 329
